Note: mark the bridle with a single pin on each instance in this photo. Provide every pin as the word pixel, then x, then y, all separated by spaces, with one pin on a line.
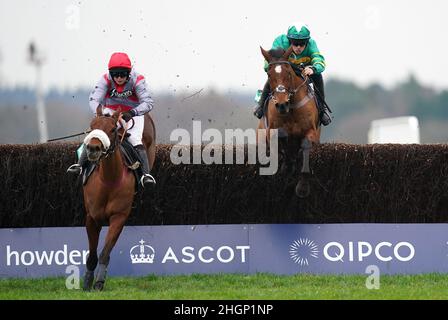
pixel 109 146
pixel 282 89
pixel 109 151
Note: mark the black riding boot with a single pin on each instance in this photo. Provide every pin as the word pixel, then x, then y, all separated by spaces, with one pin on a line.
pixel 82 161
pixel 259 110
pixel 146 177
pixel 324 115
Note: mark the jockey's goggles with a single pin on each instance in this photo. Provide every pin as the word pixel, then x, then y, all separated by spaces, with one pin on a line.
pixel 119 74
pixel 298 43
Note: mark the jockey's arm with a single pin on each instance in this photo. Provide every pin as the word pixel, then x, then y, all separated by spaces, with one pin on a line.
pixel 97 95
pixel 144 97
pixel 317 59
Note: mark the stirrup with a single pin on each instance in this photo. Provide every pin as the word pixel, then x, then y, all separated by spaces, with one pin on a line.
pixel 147 175
pixel 75 168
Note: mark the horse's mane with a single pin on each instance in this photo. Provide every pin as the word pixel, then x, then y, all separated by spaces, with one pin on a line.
pixel 276 53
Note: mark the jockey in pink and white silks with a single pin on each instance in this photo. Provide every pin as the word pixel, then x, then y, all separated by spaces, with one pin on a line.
pixel 126 90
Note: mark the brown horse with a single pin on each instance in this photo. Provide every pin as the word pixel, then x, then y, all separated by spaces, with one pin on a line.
pixel 293 111
pixel 109 192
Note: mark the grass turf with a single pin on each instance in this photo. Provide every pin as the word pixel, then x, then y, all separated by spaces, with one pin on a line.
pixel 235 287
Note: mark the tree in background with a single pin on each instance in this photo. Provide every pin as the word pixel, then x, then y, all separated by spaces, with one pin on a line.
pixel 354 108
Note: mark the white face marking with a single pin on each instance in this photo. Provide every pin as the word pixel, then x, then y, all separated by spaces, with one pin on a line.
pixel 278 69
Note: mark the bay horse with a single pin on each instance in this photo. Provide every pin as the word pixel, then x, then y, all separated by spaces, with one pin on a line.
pixel 109 192
pixel 293 111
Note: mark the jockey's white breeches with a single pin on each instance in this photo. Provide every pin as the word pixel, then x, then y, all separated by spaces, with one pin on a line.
pixel 136 132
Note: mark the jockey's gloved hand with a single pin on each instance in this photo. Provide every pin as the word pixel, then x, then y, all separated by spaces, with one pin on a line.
pixel 308 71
pixel 126 116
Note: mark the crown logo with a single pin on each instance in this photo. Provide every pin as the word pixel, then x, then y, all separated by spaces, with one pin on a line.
pixel 144 255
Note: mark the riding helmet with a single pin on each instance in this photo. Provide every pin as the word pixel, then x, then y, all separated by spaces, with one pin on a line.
pixel 119 60
pixel 298 32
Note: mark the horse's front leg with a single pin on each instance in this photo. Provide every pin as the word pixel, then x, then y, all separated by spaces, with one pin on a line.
pixel 285 154
pixel 306 148
pixel 93 233
pixel 303 186
pixel 116 224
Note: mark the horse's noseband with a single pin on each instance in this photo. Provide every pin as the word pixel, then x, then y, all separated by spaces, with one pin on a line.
pixel 280 89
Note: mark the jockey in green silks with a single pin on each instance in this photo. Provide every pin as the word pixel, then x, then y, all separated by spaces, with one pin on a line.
pixel 305 52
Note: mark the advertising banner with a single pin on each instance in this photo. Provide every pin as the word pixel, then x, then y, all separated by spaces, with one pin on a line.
pixel 207 249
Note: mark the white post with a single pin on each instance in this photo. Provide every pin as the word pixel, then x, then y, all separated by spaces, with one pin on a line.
pixel 40 105
pixel 1 58
pixel 41 117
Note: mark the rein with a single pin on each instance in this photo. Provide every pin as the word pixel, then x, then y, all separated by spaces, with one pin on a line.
pixel 70 136
pixel 125 128
pixel 111 150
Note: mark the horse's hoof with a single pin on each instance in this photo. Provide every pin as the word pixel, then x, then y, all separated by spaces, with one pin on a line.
pixel 86 287
pixel 88 281
pixel 303 188
pixel 99 286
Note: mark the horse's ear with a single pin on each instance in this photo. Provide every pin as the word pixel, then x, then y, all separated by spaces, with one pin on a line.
pixel 287 54
pixel 266 54
pixel 99 110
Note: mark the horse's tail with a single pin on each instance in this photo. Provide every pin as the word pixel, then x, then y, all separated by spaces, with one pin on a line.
pixel 151 149
pixel 153 129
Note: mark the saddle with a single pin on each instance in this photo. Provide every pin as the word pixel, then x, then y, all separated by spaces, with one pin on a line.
pixel 131 159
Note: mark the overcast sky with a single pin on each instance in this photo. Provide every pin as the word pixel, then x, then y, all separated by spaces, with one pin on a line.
pixel 195 44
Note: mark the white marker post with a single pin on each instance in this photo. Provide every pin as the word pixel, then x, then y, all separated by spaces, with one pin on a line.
pixel 37 60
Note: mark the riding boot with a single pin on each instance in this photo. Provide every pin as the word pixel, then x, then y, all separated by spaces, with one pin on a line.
pixel 324 115
pixel 82 161
pixel 146 176
pixel 259 108
pixel 325 118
